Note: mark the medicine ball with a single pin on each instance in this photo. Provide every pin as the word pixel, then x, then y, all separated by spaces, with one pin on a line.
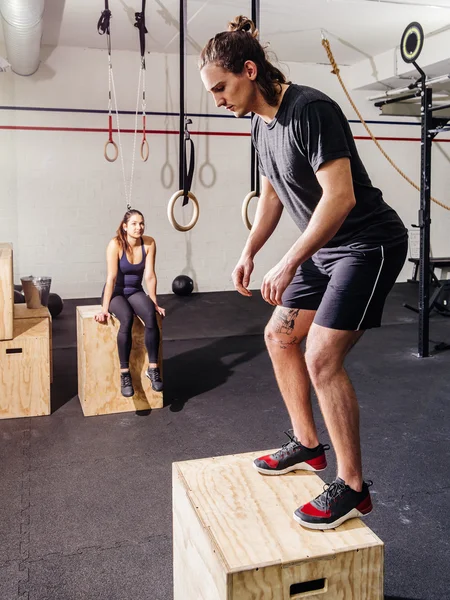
pixel 55 304
pixel 18 297
pixel 182 285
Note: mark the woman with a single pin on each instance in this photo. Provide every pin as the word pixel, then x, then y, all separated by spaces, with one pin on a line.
pixel 130 258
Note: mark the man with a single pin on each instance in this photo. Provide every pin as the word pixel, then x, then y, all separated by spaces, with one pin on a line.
pixel 331 285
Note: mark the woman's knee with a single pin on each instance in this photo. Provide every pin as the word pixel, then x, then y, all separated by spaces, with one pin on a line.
pixel 126 323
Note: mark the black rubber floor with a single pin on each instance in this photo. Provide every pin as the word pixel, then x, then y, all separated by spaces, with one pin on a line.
pixel 85 510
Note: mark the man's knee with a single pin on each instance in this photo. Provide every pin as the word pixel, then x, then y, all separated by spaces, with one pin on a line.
pixel 280 341
pixel 323 360
pixel 320 362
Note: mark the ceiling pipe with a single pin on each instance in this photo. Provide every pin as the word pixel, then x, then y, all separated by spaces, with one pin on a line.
pixel 22 29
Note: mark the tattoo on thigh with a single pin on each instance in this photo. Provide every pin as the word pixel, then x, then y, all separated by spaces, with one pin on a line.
pixel 284 320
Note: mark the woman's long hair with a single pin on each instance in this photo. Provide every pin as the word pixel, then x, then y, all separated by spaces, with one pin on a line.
pixel 121 234
pixel 231 49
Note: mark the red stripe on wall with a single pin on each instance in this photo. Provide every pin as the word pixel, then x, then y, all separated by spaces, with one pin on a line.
pixel 100 130
pixel 165 131
pixel 394 139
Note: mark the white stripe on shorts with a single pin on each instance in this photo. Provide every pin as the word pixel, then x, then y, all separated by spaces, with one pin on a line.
pixel 373 291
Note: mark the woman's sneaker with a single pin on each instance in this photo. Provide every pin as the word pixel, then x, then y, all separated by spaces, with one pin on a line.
pixel 126 385
pixel 155 377
pixel 292 456
pixel 335 505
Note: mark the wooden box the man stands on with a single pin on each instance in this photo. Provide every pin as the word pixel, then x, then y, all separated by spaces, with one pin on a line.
pixel 235 538
pixel 25 350
pixel 99 368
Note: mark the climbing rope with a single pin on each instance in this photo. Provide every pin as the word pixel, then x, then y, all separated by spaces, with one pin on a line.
pixel 335 71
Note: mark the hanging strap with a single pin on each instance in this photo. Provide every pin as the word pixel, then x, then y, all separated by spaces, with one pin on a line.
pixel 103 27
pixel 104 21
pixel 254 172
pixel 254 167
pixel 188 173
pixel 140 24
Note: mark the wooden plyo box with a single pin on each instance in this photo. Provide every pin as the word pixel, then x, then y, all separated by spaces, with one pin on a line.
pixel 25 365
pixel 99 368
pixel 235 538
pixel 21 311
pixel 6 291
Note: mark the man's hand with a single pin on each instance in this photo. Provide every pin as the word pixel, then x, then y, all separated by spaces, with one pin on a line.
pixel 241 275
pixel 276 281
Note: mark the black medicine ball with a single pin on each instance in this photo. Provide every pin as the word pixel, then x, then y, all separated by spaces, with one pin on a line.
pixel 55 304
pixel 18 297
pixel 182 285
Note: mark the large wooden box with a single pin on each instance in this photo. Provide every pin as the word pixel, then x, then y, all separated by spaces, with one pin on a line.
pixel 21 311
pixel 235 538
pixel 6 292
pixel 25 367
pixel 99 368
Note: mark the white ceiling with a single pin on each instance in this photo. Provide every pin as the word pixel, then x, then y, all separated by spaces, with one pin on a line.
pixel 357 29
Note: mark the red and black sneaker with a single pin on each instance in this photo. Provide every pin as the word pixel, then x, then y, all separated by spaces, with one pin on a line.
pixel 292 456
pixel 336 504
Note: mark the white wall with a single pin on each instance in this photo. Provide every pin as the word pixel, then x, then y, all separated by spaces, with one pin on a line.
pixel 60 201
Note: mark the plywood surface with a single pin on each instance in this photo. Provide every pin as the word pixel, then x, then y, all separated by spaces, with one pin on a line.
pixel 25 370
pixel 99 369
pixel 6 291
pixel 198 571
pixel 249 516
pixel 22 312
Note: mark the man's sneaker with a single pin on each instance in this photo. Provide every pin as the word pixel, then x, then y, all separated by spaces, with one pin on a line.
pixel 337 503
pixel 155 377
pixel 292 456
pixel 126 385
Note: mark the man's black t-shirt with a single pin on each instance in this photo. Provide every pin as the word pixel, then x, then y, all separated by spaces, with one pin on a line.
pixel 309 130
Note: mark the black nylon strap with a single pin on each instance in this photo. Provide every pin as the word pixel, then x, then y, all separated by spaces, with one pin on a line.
pixel 188 174
pixel 254 168
pixel 104 21
pixel 140 24
pixel 254 171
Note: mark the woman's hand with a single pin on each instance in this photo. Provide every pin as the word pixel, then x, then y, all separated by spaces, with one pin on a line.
pixel 161 311
pixel 102 317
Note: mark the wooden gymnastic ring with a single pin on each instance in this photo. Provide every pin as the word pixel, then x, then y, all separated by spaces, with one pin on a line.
pixel 144 150
pixel 116 151
pixel 245 205
pixel 171 215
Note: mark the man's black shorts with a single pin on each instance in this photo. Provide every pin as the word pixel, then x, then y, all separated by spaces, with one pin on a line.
pixel 347 285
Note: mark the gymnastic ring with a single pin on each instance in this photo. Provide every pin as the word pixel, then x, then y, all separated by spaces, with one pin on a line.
pixel 144 150
pixel 171 215
pixel 116 151
pixel 245 205
pixel 202 177
pixel 167 167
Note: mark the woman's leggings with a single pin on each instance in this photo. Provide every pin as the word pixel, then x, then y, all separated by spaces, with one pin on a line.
pixel 124 308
